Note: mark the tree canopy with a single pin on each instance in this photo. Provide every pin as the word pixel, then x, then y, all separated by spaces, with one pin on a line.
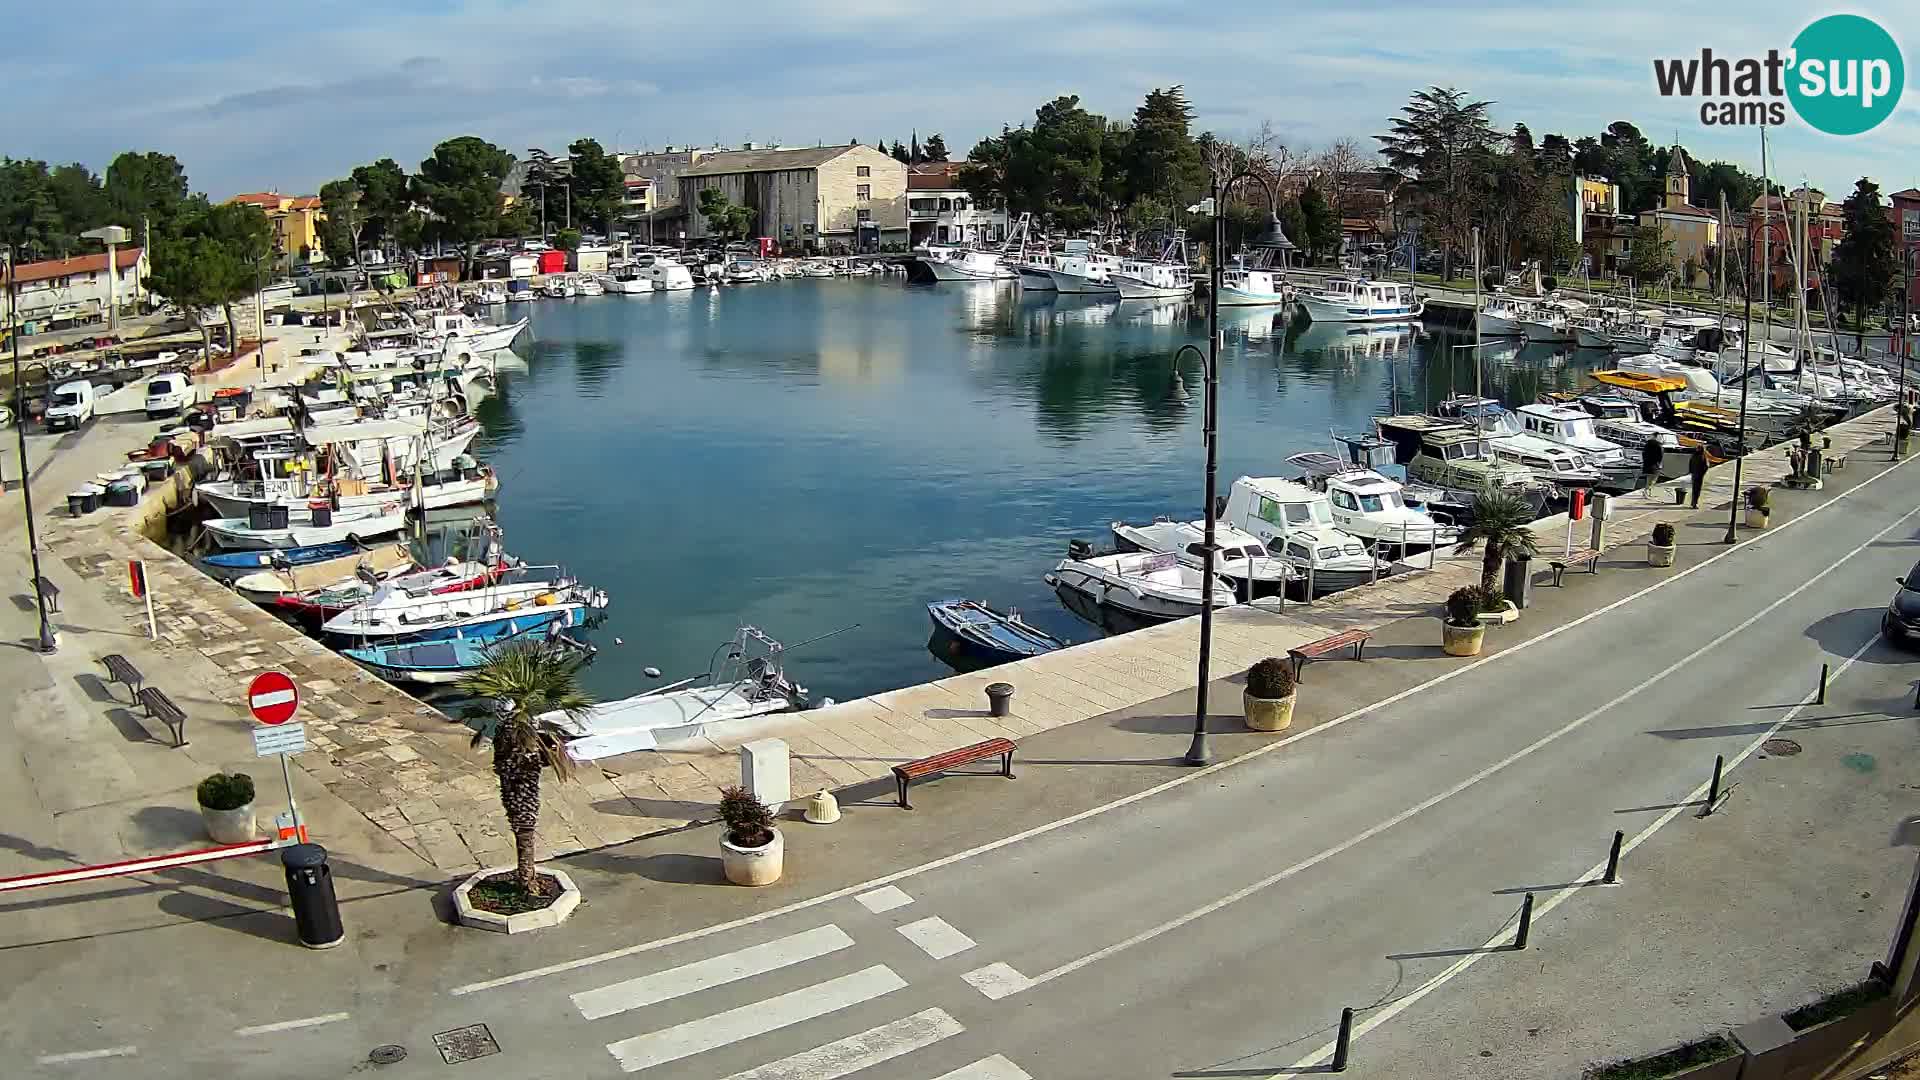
pixel 460 185
pixel 1439 142
pixel 725 218
pixel 599 187
pixel 935 148
pixel 1867 259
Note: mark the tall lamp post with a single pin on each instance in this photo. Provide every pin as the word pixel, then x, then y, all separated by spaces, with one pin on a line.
pixel 112 236
pixel 47 642
pixel 1275 238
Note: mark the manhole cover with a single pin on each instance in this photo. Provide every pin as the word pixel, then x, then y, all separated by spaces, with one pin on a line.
pixel 387 1055
pixel 1781 747
pixel 466 1043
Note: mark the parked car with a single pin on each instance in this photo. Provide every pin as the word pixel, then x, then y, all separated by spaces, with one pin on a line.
pixel 71 406
pixel 168 393
pixel 1901 624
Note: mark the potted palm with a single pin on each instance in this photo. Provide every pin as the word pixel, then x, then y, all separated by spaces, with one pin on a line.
pixel 1269 695
pixel 1461 631
pixel 751 849
pixel 226 806
pixel 1759 505
pixel 1500 527
pixel 1660 547
pixel 518 684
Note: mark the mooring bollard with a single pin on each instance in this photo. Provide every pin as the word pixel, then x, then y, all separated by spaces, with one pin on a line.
pixel 1613 860
pixel 1713 789
pixel 1526 922
pixel 999 699
pixel 1822 699
pixel 1344 1041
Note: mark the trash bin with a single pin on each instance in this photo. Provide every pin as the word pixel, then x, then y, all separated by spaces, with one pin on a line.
pixel 316 912
pixel 999 699
pixel 1519 581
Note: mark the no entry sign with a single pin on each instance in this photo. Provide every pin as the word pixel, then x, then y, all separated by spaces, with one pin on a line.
pixel 273 697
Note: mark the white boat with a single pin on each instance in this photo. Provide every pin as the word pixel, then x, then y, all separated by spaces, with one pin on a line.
pixel 1500 315
pixel 1242 285
pixel 587 285
pixel 744 272
pixel 972 264
pixel 1374 507
pixel 1089 272
pixel 522 296
pixel 1551 322
pixel 1685 337
pixel 277 527
pixel 492 293
pixel 629 281
pixel 465 483
pixel 477 336
pixel 1145 585
pixel 1238 556
pixel 394 612
pixel 668 275
pixel 558 287
pixel 1035 271
pixel 1169 277
pixel 1295 522
pixel 1360 300
pixel 749 684
pixel 1553 462
pixel 1593 331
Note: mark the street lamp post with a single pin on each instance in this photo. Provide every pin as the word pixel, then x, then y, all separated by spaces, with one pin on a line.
pixel 47 642
pixel 1276 238
pixel 112 236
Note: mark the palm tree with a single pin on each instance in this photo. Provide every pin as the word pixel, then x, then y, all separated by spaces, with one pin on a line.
pixel 1500 521
pixel 523 680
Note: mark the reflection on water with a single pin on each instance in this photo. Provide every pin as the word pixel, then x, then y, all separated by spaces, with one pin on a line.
pixel 807 454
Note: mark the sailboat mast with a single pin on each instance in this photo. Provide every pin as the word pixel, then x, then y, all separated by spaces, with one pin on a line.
pixel 1479 414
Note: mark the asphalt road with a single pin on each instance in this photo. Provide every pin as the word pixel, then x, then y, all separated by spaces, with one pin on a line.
pixel 1215 926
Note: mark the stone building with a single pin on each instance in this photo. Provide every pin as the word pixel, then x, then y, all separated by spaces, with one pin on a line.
pixel 1693 231
pixel 827 198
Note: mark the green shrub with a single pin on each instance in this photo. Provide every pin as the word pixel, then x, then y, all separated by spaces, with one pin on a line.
pixel 225 791
pixel 1663 535
pixel 1836 1005
pixel 1463 607
pixel 1491 600
pixel 1270 678
pixel 749 823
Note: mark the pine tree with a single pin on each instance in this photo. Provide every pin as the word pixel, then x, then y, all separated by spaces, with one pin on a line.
pixel 1865 262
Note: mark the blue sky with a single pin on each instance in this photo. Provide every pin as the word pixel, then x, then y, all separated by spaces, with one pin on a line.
pixel 254 96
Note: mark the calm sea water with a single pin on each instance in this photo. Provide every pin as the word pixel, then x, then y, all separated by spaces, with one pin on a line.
pixel 811 454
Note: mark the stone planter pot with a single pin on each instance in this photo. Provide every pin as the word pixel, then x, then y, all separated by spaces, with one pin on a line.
pixel 1462 640
pixel 753 866
pixel 230 826
pixel 520 922
pixel 1661 554
pixel 1268 714
pixel 1507 613
pixel 1756 519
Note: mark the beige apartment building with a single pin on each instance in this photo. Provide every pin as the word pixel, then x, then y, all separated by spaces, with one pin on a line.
pixel 827 198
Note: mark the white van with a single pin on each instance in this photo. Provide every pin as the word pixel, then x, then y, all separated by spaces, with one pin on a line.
pixel 70 406
pixel 168 393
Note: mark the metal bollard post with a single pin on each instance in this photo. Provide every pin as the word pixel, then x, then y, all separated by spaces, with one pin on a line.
pixel 1344 1042
pixel 1309 583
pixel 999 699
pixel 1613 860
pixel 1526 922
pixel 1822 699
pixel 1713 790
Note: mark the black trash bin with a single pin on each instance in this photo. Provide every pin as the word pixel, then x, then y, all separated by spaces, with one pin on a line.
pixel 316 912
pixel 1519 581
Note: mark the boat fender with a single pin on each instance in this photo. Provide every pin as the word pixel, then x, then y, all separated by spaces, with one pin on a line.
pixel 513 605
pixel 545 599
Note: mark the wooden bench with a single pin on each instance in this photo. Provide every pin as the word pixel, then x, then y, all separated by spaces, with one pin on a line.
pixel 161 707
pixel 1587 557
pixel 1836 461
pixel 121 670
pixel 1314 650
pixel 953 759
pixel 49 592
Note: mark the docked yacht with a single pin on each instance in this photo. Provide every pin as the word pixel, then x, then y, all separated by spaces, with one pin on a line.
pixel 280 527
pixel 1296 524
pixel 1458 459
pixel 1254 285
pixel 1150 586
pixel 1373 507
pixel 1360 300
pixel 1593 330
pixel 973 264
pixel 588 285
pixel 558 287
pixel 422 615
pixel 668 275
pixel 1500 316
pixel 1089 272
pixel 1034 270
pixel 476 336
pixel 1550 323
pixel 1238 555
pixel 629 281
pixel 1166 278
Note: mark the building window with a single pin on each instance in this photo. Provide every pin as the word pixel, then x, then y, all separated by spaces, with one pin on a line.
pixel 863 192
pixel 864 215
pixel 863 170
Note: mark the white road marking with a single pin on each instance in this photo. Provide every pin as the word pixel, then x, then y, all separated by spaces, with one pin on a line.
pixel 1159 789
pixel 272 697
pixel 997 981
pixel 1434 800
pixel 856 1052
pixel 1505 936
pixel 290 1025
pixel 884 899
pixel 718 971
pixel 987 1068
pixel 936 937
pixel 756 1018
pixel 86 1055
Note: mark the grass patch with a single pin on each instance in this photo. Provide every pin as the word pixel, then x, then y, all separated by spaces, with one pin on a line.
pixel 1836 1005
pixel 501 894
pixel 1677 1060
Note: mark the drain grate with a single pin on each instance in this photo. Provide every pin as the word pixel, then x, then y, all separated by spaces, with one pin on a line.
pixel 465 1043
pixel 387 1055
pixel 1780 747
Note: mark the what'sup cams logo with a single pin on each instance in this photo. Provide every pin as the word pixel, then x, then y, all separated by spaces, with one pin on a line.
pixel 1843 76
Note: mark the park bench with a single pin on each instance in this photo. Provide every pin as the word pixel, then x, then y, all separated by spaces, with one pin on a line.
pixel 953 759
pixel 161 707
pixel 49 592
pixel 1587 557
pixel 121 670
pixel 1836 461
pixel 1314 650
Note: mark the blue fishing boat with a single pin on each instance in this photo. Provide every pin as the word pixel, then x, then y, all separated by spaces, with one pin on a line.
pixel 448 660
pixel 969 635
pixel 298 556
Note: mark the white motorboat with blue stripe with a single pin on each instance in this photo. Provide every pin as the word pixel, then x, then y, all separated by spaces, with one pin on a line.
pixel 1361 300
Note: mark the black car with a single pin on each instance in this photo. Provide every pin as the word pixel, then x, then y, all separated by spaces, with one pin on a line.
pixel 1901 623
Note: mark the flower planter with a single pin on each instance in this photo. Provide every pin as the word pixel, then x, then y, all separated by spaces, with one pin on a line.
pixel 1756 519
pixel 753 866
pixel 1268 714
pixel 1661 554
pixel 1507 613
pixel 229 826
pixel 1462 640
pixel 518 922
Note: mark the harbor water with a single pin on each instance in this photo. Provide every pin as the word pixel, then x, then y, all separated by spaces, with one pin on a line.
pixel 806 455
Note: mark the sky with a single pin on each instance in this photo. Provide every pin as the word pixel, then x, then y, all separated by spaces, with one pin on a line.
pixel 267 96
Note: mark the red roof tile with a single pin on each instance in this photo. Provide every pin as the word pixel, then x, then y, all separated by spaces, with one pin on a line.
pixel 83 264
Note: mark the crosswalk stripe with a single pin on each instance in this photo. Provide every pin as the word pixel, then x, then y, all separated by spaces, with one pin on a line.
pixel 718 971
pixel 997 980
pixel 987 1068
pixel 885 898
pixel 757 1018
pixel 856 1052
pixel 936 937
